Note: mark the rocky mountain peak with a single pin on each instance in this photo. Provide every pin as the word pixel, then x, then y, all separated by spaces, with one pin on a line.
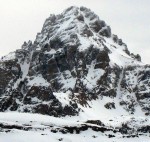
pixel 80 27
pixel 74 63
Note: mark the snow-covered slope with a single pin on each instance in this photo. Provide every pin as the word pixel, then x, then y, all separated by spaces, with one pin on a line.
pixel 21 127
pixel 76 70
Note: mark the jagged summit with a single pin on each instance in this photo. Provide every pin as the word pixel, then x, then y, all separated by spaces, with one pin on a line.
pixel 79 20
pixel 79 26
pixel 83 28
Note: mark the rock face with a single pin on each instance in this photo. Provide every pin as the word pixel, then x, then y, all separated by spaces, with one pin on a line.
pixel 74 59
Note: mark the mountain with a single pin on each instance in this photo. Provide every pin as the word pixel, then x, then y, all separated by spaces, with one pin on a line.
pixel 80 74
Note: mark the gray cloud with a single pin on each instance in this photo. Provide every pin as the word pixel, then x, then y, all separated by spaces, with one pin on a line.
pixel 20 20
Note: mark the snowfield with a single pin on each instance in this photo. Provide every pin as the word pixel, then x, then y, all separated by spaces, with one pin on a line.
pixel 22 127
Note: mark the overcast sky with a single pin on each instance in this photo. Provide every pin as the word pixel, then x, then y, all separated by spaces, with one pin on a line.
pixel 20 20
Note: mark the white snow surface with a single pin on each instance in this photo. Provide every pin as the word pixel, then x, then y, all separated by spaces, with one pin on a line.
pixel 38 81
pixel 41 131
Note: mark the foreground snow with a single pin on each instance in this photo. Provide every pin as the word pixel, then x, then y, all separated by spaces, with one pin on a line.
pixel 88 136
pixel 38 128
